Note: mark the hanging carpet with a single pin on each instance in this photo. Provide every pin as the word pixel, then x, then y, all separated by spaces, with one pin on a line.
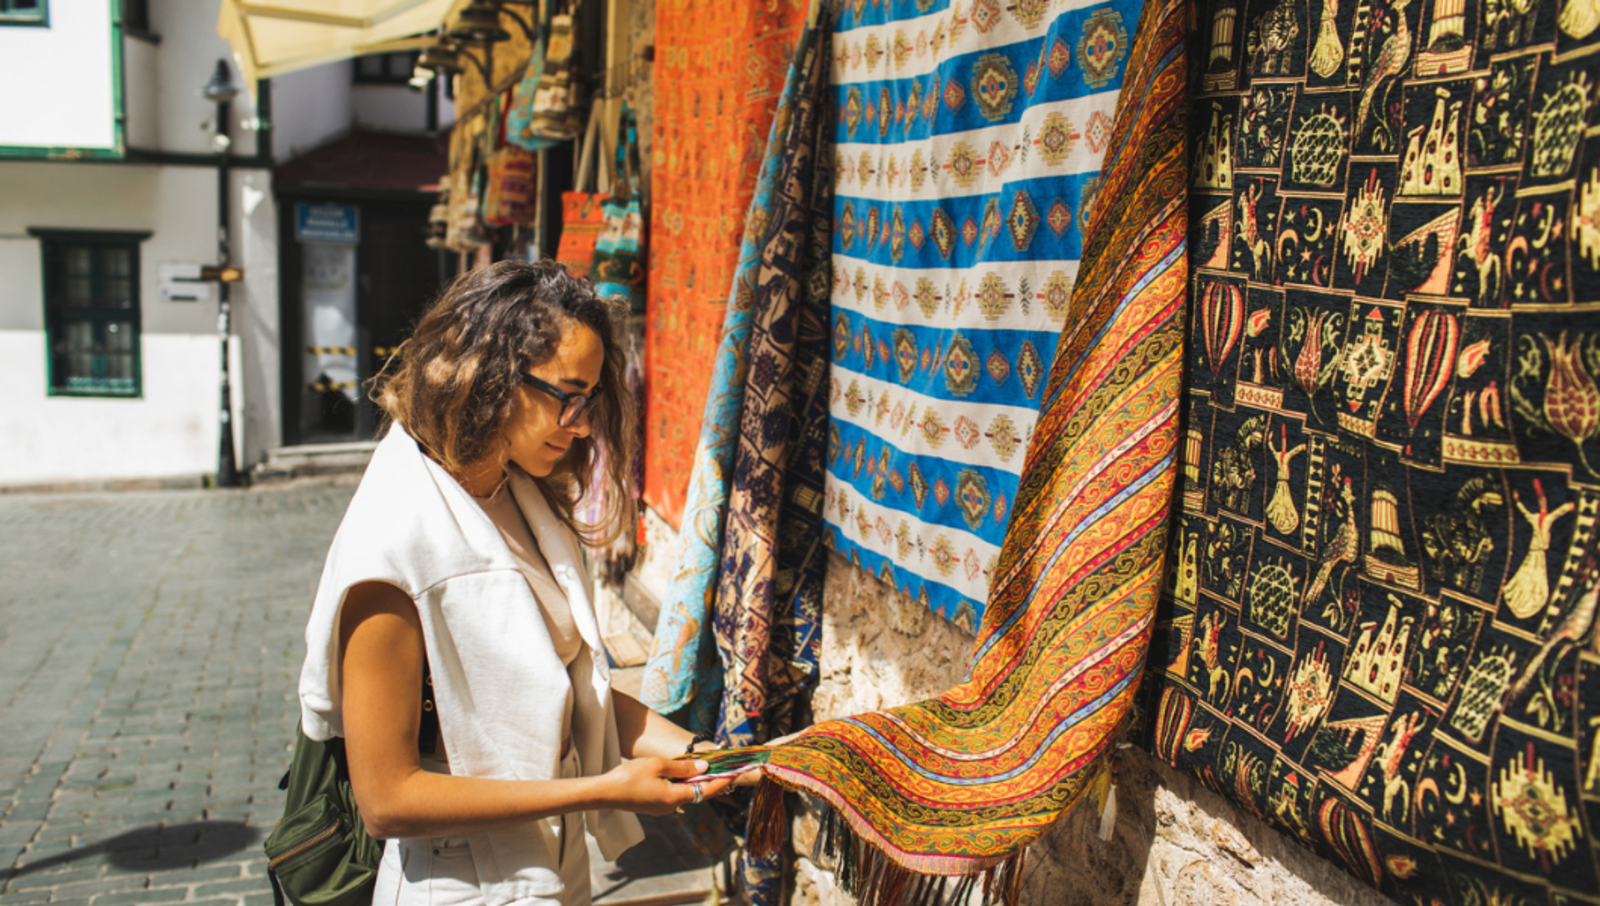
pixel 768 616
pixel 720 67
pixel 1379 635
pixel 970 144
pixel 750 553
pixel 958 784
pixel 684 671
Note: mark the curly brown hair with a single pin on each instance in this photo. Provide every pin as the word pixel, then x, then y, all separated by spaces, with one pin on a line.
pixel 461 368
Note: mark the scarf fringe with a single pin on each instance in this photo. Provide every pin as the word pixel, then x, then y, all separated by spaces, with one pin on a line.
pixel 867 873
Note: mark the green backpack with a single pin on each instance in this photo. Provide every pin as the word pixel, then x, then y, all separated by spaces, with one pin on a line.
pixel 320 853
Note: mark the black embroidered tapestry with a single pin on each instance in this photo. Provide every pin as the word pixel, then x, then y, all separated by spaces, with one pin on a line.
pixel 1379 626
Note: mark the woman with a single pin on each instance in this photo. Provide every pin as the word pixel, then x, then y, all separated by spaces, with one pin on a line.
pixel 459 556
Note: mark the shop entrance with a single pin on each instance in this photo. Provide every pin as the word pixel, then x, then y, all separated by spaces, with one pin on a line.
pixel 356 275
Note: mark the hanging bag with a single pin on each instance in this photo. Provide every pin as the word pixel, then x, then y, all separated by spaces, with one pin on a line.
pixel 463 230
pixel 558 99
pixel 619 252
pixel 581 209
pixel 511 183
pixel 519 119
pixel 510 196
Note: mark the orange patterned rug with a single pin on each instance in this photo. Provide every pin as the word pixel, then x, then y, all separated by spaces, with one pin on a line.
pixel 720 66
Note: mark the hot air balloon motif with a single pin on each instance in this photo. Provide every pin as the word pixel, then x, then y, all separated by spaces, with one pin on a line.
pixel 1221 322
pixel 1430 352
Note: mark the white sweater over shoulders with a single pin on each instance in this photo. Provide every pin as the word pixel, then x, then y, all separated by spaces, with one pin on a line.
pixel 498 684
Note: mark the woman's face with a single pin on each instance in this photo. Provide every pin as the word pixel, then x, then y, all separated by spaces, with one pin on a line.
pixel 536 437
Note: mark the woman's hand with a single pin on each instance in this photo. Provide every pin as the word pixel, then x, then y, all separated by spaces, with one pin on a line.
pixel 646 785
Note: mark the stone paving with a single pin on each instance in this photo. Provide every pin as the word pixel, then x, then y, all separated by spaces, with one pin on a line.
pixel 149 648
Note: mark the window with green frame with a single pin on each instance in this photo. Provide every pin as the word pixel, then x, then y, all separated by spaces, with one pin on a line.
pixel 24 12
pixel 91 308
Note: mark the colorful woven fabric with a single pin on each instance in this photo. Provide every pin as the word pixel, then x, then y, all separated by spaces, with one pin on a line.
pixel 958 784
pixel 768 589
pixel 768 619
pixel 1380 630
pixel 684 669
pixel 970 141
pixel 720 67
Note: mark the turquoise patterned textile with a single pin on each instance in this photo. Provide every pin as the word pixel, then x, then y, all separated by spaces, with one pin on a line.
pixel 683 669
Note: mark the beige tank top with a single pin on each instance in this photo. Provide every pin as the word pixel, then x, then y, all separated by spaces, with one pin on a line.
pixel 503 511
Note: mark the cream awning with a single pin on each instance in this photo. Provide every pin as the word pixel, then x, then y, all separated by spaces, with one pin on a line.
pixel 272 37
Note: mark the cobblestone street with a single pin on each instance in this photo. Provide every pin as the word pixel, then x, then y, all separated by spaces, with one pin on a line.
pixel 149 648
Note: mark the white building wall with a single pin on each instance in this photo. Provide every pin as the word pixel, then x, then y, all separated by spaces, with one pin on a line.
pixel 67 68
pixel 141 73
pixel 311 108
pixel 172 429
pixel 187 56
pixel 397 108
pixel 256 320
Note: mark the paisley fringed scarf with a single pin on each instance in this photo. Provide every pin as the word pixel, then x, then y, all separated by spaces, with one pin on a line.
pixel 768 616
pixel 959 784
pixel 769 595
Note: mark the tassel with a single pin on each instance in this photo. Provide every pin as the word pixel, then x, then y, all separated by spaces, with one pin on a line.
pixel 822 846
pixel 958 897
pixel 896 886
pixel 989 886
pixel 869 875
pixel 1014 895
pixel 768 826
pixel 1108 813
pixel 844 853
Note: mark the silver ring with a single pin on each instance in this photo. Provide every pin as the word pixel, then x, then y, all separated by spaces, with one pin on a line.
pixel 699 793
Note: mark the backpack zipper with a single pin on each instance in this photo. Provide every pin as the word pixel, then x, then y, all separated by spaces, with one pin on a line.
pixel 302 847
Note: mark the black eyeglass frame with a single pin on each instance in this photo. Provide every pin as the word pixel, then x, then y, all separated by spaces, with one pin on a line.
pixel 573 404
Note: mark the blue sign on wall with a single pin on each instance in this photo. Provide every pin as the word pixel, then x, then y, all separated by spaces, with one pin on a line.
pixel 326 223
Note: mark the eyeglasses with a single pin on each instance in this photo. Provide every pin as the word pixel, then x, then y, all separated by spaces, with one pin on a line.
pixel 572 404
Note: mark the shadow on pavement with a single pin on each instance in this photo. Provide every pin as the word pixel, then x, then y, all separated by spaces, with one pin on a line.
pixel 155 848
pixel 666 868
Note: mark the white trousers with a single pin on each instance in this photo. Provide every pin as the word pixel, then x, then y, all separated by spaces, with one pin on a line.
pixel 440 871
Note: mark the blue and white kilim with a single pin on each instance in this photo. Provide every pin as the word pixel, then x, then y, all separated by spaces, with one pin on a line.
pixel 970 137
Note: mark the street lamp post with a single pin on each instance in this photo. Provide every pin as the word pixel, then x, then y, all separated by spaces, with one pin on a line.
pixel 221 91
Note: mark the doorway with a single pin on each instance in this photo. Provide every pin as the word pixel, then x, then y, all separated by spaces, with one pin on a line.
pixel 356 276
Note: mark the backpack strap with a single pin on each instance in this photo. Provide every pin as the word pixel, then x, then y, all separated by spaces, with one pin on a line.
pixel 428 730
pixel 277 889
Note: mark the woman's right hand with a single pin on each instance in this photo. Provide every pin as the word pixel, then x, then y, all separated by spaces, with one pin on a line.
pixel 646 785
